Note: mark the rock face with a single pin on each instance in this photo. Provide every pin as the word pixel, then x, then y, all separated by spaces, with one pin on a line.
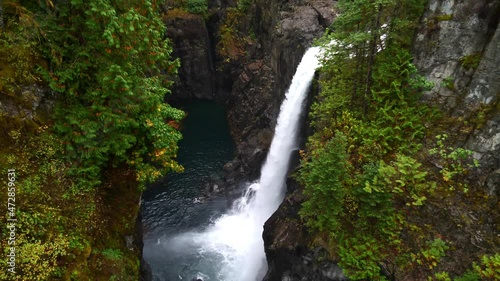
pixel 285 31
pixel 287 240
pixel 257 80
pixel 260 78
pixel 31 106
pixel 192 47
pixel 458 49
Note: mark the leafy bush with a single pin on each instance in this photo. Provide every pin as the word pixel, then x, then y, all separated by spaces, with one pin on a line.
pixel 471 61
pixel 112 254
pixel 244 5
pixel 18 54
pixel 489 269
pixel 468 276
pixel 323 175
pixel 197 6
pixel 440 276
pixel 111 68
pixel 47 224
pixel 111 77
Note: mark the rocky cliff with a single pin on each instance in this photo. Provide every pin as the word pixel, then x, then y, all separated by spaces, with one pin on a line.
pixel 458 49
pixel 191 42
pixel 258 71
pixel 245 58
pixel 284 31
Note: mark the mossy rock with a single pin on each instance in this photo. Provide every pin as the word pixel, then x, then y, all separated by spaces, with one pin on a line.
pixel 471 61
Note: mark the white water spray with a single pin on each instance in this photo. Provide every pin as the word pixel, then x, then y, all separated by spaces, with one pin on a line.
pixel 236 238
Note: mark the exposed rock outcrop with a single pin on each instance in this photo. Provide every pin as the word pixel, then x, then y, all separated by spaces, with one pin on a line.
pixel 287 245
pixel 258 77
pixel 30 105
pixel 458 49
pixel 190 37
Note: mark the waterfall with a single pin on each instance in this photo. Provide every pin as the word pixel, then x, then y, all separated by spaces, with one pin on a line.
pixel 233 244
pixel 240 232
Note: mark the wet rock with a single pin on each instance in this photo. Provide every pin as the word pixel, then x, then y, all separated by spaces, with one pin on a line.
pixel 333 272
pixel 213 186
pixel 191 44
pixel 231 166
pixel 145 272
pixel 287 242
pixel 493 183
pixel 30 103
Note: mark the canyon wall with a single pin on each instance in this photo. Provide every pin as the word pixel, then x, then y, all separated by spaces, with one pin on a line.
pixel 456 47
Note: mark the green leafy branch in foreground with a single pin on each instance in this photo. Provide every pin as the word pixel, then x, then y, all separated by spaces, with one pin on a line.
pixel 108 61
pixel 109 66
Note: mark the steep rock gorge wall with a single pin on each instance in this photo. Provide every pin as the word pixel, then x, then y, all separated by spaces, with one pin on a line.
pixel 458 49
pixel 287 244
pixel 284 31
pixel 191 41
pixel 245 60
pixel 259 78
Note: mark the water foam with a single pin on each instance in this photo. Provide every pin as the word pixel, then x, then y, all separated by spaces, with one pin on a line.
pixel 236 237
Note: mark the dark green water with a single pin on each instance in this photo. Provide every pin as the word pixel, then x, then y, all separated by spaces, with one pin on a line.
pixel 175 204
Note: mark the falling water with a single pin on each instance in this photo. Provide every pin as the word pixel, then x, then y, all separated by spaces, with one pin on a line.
pixel 233 244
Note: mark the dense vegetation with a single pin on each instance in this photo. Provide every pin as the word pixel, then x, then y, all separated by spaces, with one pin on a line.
pixel 108 131
pixel 377 178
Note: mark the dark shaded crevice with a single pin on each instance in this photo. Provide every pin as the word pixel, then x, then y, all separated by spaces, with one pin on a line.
pixel 222 79
pixel 211 54
pixel 321 20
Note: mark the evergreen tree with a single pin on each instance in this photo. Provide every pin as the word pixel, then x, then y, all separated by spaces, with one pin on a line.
pixel 111 64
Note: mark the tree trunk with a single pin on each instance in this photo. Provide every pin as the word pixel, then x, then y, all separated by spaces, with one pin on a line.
pixel 371 59
pixel 1 14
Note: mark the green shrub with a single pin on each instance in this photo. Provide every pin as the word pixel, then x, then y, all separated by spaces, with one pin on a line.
pixel 440 276
pixel 323 174
pixel 449 83
pixel 244 5
pixel 468 276
pixel 197 6
pixel 489 269
pixel 471 61
pixel 110 65
pixel 19 54
pixel 112 254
